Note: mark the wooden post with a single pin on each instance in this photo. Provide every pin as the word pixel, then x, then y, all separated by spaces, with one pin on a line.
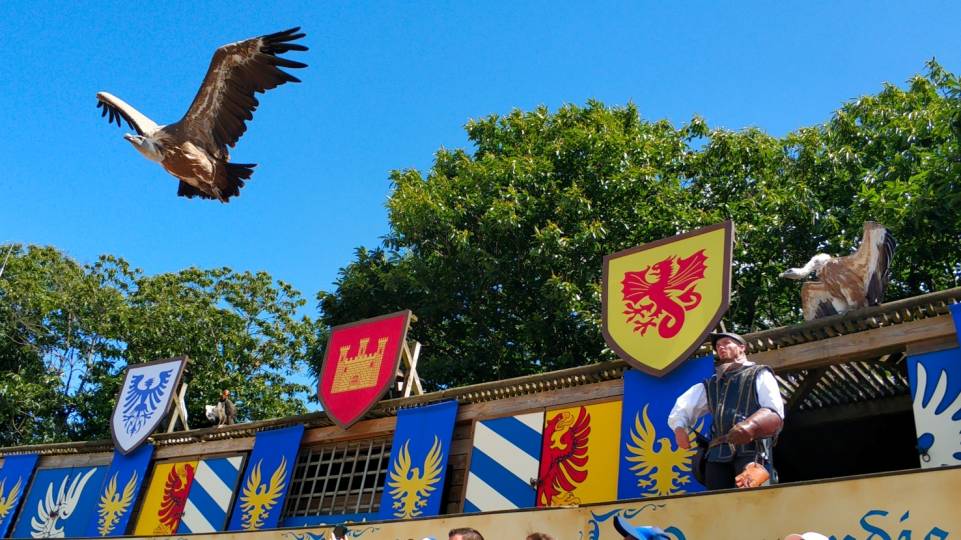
pixel 411 380
pixel 180 410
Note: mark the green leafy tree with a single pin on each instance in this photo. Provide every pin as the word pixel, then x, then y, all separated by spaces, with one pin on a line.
pixel 67 332
pixel 499 251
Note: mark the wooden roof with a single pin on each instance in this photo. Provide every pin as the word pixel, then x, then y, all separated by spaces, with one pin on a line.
pixel 844 359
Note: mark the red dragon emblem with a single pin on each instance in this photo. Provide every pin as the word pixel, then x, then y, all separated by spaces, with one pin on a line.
pixel 564 458
pixel 174 499
pixel 659 294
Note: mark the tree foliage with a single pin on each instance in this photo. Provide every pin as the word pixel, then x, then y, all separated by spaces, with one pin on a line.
pixel 498 251
pixel 68 331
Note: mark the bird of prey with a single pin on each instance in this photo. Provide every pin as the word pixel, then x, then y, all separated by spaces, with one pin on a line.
pixel 850 282
pixel 194 149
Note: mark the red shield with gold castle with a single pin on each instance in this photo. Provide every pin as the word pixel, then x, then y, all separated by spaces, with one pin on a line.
pixel 661 299
pixel 360 364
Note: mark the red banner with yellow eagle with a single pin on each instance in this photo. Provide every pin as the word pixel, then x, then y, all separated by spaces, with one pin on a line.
pixel 661 299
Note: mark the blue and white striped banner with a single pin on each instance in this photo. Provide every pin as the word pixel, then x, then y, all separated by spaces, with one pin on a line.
pixel 210 495
pixel 505 458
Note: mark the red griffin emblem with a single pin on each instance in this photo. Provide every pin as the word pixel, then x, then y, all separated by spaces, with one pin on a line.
pixel 174 499
pixel 661 293
pixel 564 458
pixel 360 364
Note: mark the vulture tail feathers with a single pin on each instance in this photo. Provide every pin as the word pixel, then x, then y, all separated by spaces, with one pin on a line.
pixel 186 190
pixel 236 174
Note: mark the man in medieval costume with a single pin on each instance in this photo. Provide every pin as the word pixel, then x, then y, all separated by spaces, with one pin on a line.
pixel 747 413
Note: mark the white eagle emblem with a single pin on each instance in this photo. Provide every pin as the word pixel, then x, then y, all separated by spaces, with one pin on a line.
pixel 142 399
pixel 52 510
pixel 938 432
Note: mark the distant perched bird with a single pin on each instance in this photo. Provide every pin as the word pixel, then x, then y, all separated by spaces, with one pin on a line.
pixel 224 413
pixel 847 283
pixel 195 148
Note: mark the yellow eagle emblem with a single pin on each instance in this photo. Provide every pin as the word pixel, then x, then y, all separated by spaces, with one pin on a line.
pixel 256 499
pixel 113 505
pixel 409 488
pixel 664 467
pixel 7 502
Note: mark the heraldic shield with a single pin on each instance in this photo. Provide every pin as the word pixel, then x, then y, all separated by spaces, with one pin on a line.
pixel 660 300
pixel 360 364
pixel 145 398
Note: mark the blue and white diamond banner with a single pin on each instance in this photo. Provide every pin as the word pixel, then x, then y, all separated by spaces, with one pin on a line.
pixel 505 459
pixel 145 397
pixel 210 494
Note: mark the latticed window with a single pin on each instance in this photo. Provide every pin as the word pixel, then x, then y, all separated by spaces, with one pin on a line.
pixel 336 479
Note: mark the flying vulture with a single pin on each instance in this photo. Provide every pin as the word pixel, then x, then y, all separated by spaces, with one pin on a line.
pixel 847 283
pixel 195 148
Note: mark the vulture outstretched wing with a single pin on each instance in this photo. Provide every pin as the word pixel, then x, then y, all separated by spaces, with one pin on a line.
pixel 118 108
pixel 226 99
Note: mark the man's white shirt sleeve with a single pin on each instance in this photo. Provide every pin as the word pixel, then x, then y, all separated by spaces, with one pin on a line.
pixel 689 406
pixel 768 393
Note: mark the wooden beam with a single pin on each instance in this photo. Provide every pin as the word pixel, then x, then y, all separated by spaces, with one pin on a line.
pixel 808 384
pixel 867 345
pixel 932 345
pixel 241 444
pixel 365 429
pixel 74 460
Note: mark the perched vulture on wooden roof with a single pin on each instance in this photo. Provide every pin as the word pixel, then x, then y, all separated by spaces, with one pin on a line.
pixel 195 148
pixel 847 283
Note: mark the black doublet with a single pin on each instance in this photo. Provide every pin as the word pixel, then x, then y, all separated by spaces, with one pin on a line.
pixel 732 397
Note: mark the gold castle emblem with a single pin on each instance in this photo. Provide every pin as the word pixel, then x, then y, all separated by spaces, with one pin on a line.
pixel 362 370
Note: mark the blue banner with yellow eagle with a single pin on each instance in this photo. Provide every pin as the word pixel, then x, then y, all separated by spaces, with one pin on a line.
pixel 266 480
pixel 118 494
pixel 418 461
pixel 651 463
pixel 14 478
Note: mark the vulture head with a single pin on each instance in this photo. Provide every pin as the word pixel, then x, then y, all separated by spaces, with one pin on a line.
pixel 149 148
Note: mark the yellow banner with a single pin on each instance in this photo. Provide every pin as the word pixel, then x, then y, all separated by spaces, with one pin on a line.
pixel 165 498
pixel 580 454
pixel 661 299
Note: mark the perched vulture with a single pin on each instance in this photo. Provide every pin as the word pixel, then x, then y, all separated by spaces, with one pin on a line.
pixel 847 283
pixel 195 148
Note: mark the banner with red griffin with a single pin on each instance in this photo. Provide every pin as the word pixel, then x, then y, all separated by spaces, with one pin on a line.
pixel 661 299
pixel 360 364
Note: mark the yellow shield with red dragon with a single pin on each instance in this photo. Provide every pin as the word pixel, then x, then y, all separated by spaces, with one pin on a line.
pixel 661 299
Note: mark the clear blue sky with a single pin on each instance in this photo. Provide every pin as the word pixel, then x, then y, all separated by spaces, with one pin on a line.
pixel 389 84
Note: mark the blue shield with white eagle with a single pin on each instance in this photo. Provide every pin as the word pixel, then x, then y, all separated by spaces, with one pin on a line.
pixel 145 397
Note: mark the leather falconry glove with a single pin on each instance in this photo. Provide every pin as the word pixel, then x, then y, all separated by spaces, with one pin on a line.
pixel 753 476
pixel 762 424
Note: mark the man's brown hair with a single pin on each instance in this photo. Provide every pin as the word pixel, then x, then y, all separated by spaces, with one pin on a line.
pixel 466 533
pixel 539 536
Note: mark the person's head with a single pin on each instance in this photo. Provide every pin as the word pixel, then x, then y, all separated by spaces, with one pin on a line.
pixel 539 536
pixel 728 347
pixel 225 394
pixel 339 531
pixel 464 533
